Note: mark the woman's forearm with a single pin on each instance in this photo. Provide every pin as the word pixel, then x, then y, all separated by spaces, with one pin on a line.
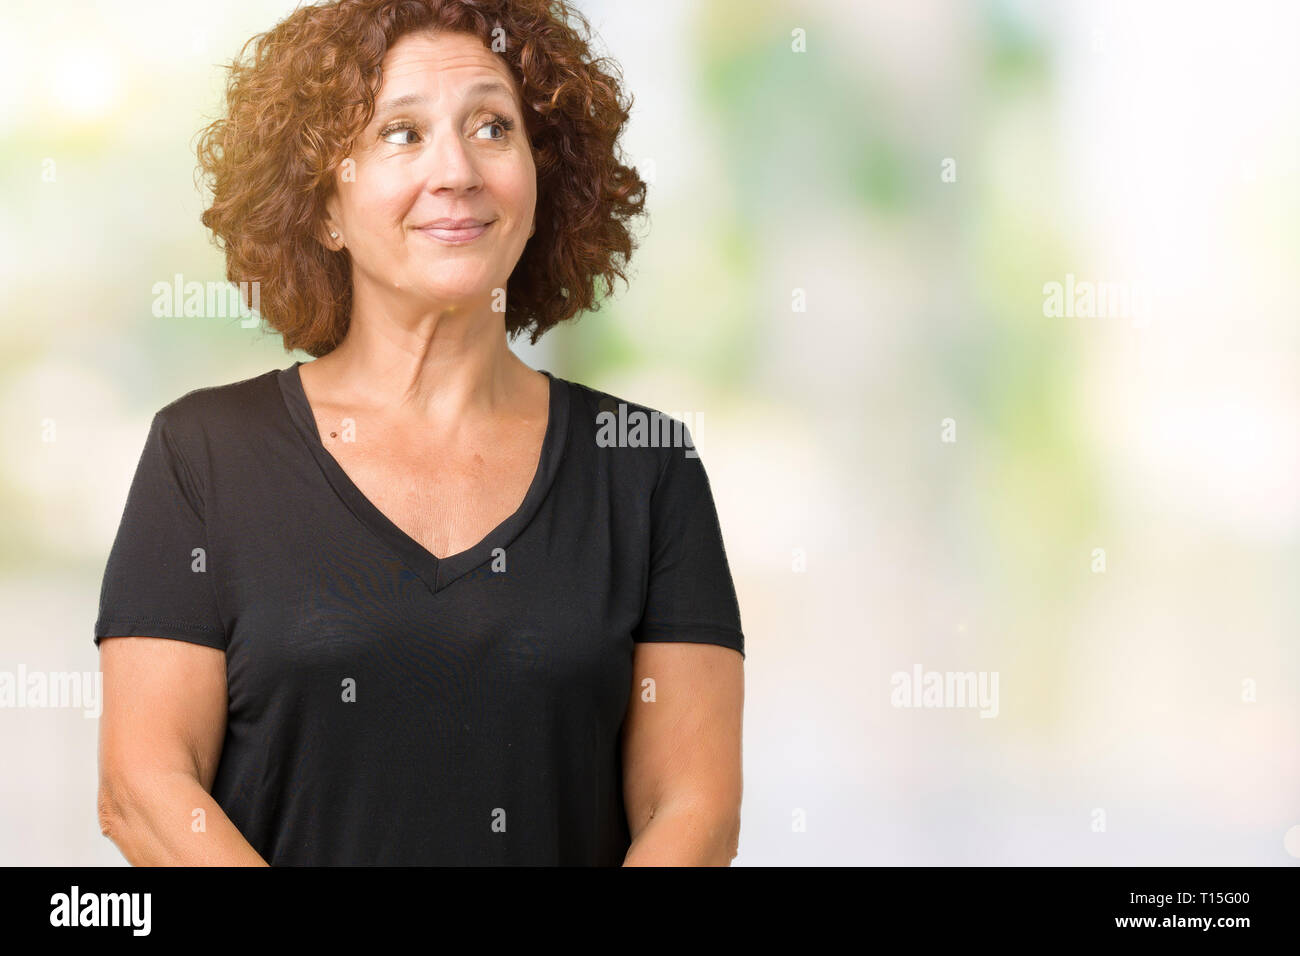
pixel 155 821
pixel 687 835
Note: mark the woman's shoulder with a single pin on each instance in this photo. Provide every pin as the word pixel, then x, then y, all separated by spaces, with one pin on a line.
pixel 230 408
pixel 643 433
pixel 595 400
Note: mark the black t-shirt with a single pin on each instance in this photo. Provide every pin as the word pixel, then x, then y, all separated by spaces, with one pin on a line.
pixel 389 707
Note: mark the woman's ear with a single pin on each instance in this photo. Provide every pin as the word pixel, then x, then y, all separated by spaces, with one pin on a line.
pixel 330 237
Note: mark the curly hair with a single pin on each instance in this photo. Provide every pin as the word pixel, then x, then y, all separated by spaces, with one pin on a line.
pixel 295 107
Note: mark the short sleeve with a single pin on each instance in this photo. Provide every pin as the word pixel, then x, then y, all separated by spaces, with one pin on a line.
pixel 690 594
pixel 158 582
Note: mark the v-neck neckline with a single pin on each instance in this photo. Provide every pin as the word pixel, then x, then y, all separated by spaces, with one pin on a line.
pixel 436 572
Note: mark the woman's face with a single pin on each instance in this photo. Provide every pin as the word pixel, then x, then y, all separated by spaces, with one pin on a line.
pixel 454 148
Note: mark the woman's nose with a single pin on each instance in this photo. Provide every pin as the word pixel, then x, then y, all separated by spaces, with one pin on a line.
pixel 449 163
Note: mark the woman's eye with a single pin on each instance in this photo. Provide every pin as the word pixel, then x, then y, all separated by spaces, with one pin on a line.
pixel 394 131
pixel 401 129
pixel 505 122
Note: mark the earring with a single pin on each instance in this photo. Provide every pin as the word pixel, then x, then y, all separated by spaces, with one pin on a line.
pixel 334 235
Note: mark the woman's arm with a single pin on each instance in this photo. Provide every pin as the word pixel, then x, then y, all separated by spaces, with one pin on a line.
pixel 160 739
pixel 682 755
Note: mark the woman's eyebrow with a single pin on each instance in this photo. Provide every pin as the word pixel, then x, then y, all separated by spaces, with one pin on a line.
pixel 481 88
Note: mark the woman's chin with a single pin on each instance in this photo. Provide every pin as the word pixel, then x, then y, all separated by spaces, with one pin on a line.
pixel 470 294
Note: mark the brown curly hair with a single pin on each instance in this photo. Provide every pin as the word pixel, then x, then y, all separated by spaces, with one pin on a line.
pixel 293 111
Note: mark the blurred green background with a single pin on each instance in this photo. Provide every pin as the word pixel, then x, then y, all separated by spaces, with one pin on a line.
pixel 856 213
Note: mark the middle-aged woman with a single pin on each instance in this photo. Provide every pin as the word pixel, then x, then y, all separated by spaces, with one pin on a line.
pixel 413 602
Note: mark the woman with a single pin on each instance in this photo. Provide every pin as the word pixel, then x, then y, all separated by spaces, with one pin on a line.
pixel 402 604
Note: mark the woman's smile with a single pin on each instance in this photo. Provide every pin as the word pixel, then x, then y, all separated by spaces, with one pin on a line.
pixel 455 236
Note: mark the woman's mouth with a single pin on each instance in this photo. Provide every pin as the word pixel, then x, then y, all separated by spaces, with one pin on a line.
pixel 456 237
